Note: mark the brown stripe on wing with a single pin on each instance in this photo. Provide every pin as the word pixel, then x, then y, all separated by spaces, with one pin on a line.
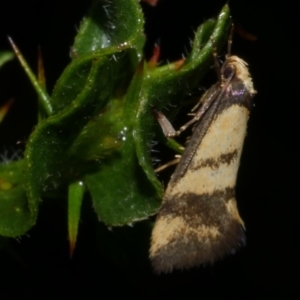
pixel 214 163
pixel 186 252
pixel 207 228
pixel 202 206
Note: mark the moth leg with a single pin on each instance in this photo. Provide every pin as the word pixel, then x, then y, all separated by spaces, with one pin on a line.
pixel 197 105
pixel 206 101
pixel 164 123
pixel 170 163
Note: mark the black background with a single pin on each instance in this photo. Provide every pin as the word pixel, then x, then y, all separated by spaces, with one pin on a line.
pixel 115 263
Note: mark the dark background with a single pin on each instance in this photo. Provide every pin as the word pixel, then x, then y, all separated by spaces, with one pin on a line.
pixel 115 263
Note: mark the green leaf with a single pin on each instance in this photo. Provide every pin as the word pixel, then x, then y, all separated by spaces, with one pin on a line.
pixel 111 23
pixel 15 218
pixel 170 84
pixel 47 165
pixel 70 142
pixel 120 190
pixel 108 24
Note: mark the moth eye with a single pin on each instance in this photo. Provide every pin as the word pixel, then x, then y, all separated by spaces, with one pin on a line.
pixel 228 71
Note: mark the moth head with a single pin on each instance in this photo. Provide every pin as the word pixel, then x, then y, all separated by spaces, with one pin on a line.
pixel 238 68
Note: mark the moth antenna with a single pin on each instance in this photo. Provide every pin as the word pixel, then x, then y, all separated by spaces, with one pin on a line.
pixel 230 42
pixel 216 62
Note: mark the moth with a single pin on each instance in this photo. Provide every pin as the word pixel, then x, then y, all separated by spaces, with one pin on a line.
pixel 198 222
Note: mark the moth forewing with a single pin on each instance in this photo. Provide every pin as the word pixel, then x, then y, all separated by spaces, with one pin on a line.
pixel 198 221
